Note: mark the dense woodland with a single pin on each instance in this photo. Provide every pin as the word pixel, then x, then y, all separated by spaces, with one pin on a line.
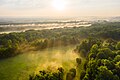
pixel 12 44
pixel 98 45
pixel 102 59
pixel 102 62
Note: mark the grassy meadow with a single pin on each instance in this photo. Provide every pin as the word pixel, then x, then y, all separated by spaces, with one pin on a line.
pixel 21 66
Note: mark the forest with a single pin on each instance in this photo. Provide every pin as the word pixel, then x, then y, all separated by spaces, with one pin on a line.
pixel 97 47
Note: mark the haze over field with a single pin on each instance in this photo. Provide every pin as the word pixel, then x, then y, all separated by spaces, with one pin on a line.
pixel 26 64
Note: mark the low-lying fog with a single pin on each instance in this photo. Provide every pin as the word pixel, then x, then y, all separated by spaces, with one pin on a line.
pixel 8 28
pixel 21 66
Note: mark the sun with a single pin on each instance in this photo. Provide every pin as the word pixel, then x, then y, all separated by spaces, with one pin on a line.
pixel 59 4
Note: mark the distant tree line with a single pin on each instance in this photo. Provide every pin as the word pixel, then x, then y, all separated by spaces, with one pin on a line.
pixel 13 43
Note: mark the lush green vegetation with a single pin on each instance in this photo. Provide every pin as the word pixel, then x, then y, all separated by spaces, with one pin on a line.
pixel 23 65
pixel 99 51
pixel 47 75
pixel 13 43
pixel 102 61
pixel 102 58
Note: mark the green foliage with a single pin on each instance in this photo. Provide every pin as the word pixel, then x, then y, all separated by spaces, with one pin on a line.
pixel 118 52
pixel 104 74
pixel 104 53
pixel 93 51
pixel 78 61
pixel 109 64
pixel 71 74
pixel 82 74
pixel 118 46
pixel 109 43
pixel 102 63
pixel 48 75
pixel 9 51
pixel 40 44
pixel 63 37
pixel 94 48
pixel 117 58
pixel 85 46
pixel 102 57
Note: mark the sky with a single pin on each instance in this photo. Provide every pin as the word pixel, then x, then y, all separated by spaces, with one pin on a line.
pixel 20 8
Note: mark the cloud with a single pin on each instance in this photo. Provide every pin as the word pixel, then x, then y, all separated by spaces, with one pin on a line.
pixel 20 4
pixel 28 4
pixel 74 7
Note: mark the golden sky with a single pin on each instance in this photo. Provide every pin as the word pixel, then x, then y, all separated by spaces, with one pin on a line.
pixel 59 8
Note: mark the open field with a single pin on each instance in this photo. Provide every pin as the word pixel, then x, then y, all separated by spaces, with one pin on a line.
pixel 19 67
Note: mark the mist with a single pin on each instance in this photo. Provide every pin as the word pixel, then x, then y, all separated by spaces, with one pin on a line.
pixel 34 61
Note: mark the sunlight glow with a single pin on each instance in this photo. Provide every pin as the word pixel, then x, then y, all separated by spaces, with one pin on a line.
pixel 59 4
